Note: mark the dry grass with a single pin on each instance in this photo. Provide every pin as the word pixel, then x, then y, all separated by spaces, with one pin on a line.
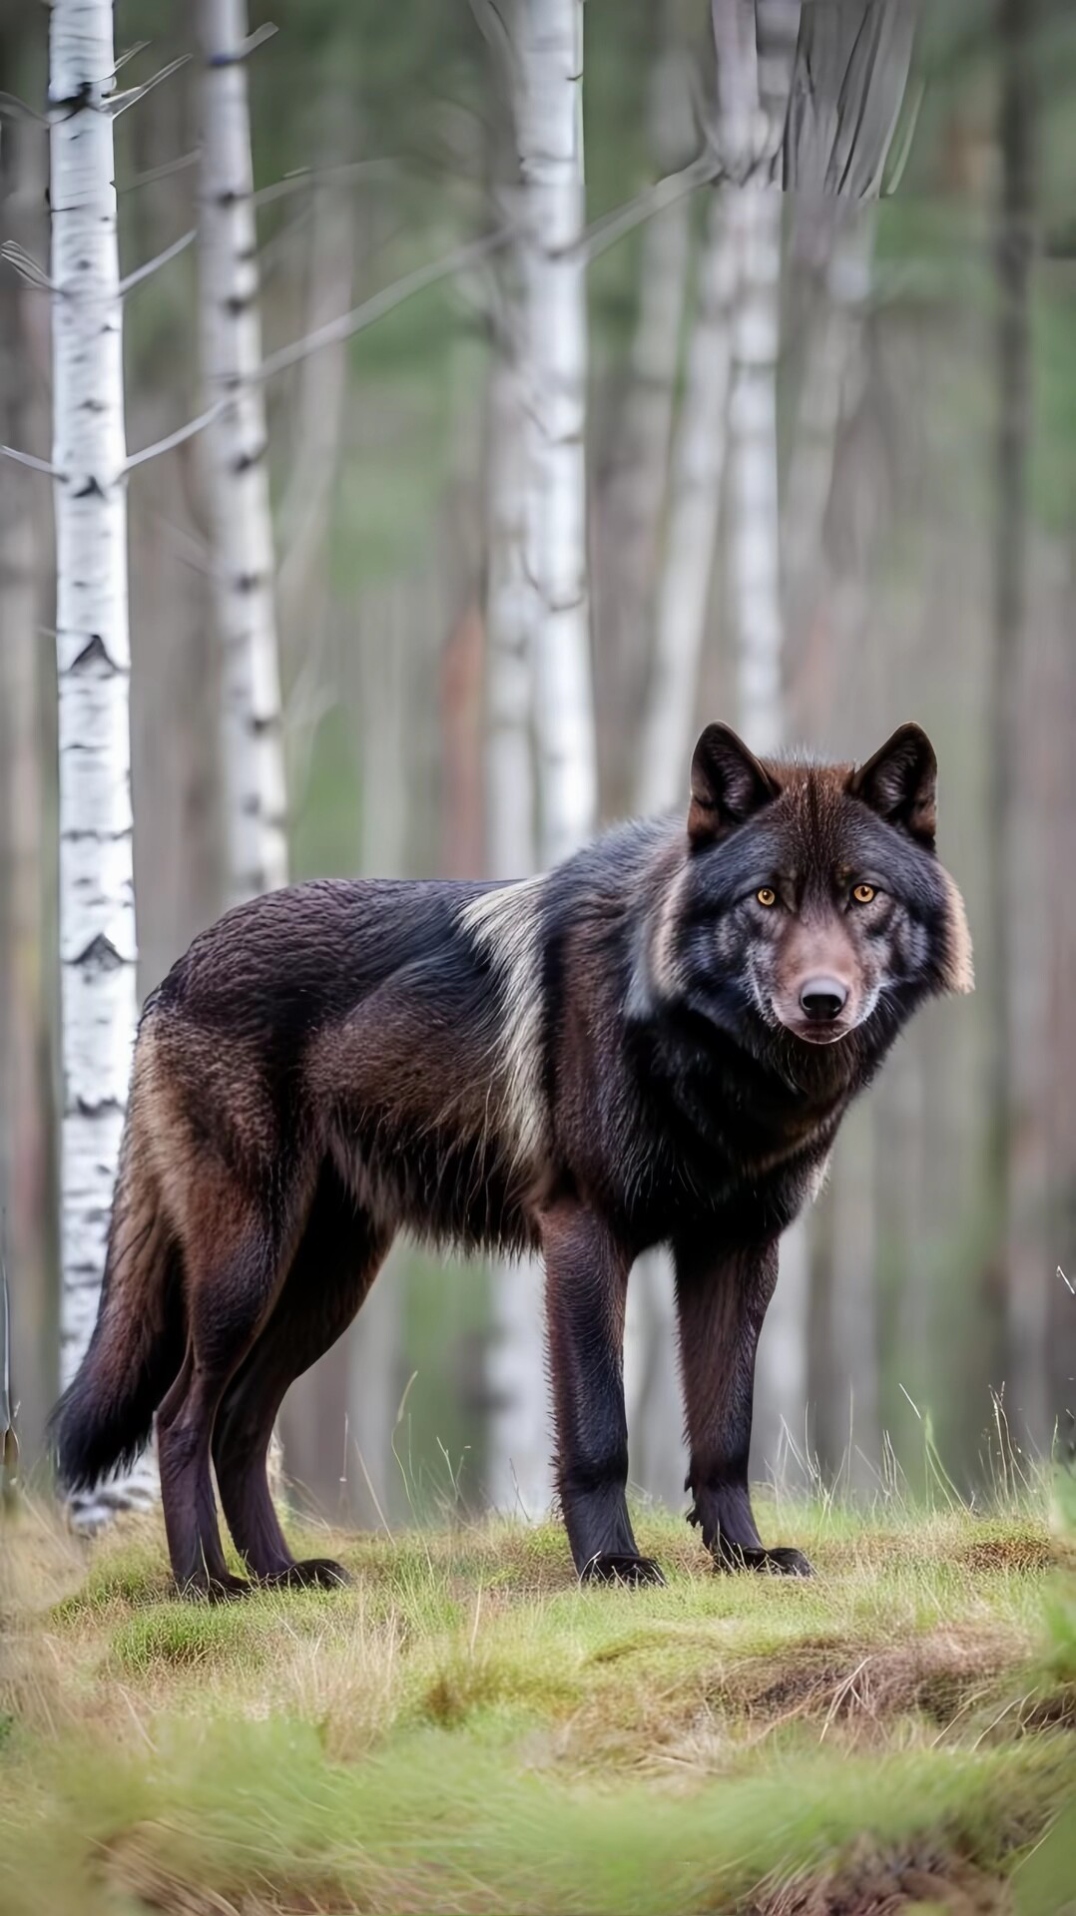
pixel 464 1728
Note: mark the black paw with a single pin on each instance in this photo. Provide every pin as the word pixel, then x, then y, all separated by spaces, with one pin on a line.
pixel 206 1589
pixel 773 1563
pixel 608 1567
pixel 319 1573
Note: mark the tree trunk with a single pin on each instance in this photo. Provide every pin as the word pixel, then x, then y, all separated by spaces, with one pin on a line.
pixel 697 471
pixel 631 507
pixel 236 458
pixel 1017 1301
pixel 551 163
pixel 519 1471
pixel 98 947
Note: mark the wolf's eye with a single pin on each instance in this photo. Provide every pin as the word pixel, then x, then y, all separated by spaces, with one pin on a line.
pixel 863 894
pixel 767 896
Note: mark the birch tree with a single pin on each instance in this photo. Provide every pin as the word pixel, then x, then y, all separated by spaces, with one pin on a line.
pixel 236 448
pixel 697 465
pixel 98 944
pixel 697 471
pixel 537 605
pixel 629 523
pixel 550 131
pixel 519 1465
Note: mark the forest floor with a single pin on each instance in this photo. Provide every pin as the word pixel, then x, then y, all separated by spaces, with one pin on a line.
pixel 465 1729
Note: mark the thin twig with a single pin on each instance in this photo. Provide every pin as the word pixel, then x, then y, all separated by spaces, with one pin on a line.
pixel 163 172
pixel 28 459
pixel 160 259
pixel 174 438
pixel 14 108
pixel 381 303
pixel 312 176
pixel 120 102
pixel 27 267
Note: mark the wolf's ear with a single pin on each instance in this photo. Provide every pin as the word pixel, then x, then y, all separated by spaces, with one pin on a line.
pixel 901 783
pixel 727 785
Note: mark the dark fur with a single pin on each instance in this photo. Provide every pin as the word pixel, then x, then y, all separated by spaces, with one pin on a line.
pixel 607 1058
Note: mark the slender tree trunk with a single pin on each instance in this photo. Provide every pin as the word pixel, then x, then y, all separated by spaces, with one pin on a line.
pixel 1016 1305
pixel 629 516
pixel 236 451
pixel 519 1468
pixel 833 379
pixel 98 946
pixel 537 613
pixel 698 464
pixel 551 163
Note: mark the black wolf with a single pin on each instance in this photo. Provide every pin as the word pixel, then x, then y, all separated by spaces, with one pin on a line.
pixel 653 1043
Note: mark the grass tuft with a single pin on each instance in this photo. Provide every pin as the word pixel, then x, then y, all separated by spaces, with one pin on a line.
pixel 465 1729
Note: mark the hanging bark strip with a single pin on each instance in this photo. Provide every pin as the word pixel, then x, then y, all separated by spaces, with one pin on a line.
pixel 551 163
pixel 243 570
pixel 98 944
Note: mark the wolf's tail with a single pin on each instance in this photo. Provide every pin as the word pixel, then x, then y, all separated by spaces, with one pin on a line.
pixel 104 1418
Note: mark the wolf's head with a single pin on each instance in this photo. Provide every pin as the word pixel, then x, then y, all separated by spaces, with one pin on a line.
pixel 811 897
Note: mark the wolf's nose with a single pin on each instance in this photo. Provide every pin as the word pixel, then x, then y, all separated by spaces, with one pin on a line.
pixel 823 998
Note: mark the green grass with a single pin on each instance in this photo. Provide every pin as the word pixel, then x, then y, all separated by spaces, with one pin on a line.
pixel 465 1729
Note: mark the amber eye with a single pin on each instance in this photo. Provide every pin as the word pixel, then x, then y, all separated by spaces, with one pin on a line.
pixel 863 894
pixel 766 896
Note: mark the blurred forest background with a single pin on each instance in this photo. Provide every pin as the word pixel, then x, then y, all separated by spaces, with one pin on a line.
pixel 926 525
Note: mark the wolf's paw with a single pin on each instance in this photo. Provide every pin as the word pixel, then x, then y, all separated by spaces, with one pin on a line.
pixel 206 1589
pixel 773 1563
pixel 608 1567
pixel 319 1573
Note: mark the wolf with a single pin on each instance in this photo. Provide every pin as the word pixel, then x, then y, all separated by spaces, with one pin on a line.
pixel 653 1043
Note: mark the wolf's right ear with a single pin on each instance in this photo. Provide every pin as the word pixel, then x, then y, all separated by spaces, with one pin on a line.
pixel 728 783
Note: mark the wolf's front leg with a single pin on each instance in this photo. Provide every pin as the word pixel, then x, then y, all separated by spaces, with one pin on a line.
pixel 586 1288
pixel 721 1301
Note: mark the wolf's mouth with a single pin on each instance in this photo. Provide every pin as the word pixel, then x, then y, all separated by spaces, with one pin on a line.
pixel 817 1031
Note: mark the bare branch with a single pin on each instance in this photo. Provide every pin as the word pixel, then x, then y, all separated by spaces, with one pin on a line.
pixel 28 459
pixel 705 171
pixel 384 302
pixel 129 53
pixel 27 267
pixel 161 259
pixel 312 176
pixel 12 108
pixel 172 439
pixel 244 49
pixel 169 167
pixel 121 101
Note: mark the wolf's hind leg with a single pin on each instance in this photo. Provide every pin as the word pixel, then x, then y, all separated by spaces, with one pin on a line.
pixel 231 1270
pixel 337 1260
pixel 721 1301
pixel 586 1290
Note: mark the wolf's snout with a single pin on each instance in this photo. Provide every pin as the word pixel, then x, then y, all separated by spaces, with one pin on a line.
pixel 823 999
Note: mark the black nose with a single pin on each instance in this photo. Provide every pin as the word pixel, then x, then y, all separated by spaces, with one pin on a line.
pixel 823 999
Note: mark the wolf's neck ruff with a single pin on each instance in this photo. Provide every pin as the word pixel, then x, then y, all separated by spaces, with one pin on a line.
pixel 505 927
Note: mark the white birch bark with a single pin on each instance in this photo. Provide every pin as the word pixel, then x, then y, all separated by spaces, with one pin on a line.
pixel 833 382
pixel 519 1475
pixel 630 519
pixel 751 92
pixel 236 449
pixel 98 944
pixel 550 134
pixel 698 464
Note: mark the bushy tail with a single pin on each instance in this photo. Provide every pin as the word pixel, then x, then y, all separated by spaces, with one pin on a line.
pixel 104 1418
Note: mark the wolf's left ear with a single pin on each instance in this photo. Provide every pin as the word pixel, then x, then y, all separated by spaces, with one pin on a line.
pixel 901 783
pixel 727 784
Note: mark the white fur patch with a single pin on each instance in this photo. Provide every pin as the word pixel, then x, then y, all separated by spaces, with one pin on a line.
pixel 506 925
